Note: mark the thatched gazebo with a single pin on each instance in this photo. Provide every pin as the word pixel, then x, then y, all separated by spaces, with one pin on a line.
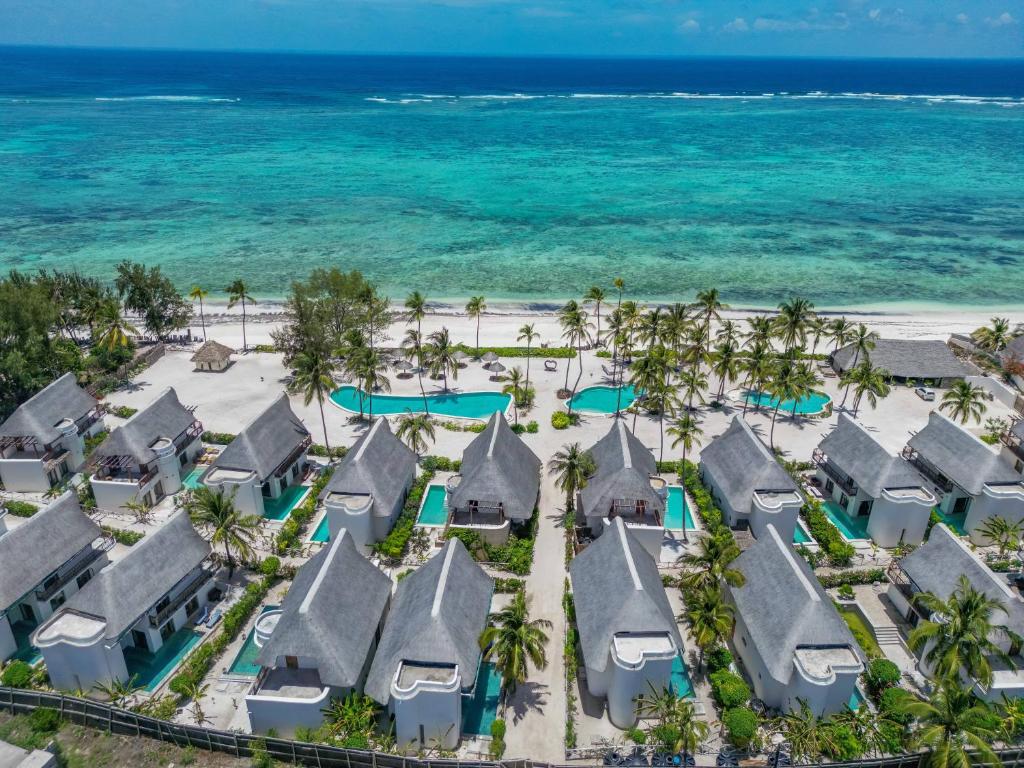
pixel 213 356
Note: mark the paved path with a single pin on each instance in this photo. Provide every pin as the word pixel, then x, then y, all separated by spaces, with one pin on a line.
pixel 536 711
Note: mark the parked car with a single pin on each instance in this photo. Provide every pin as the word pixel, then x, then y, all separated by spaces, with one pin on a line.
pixel 925 393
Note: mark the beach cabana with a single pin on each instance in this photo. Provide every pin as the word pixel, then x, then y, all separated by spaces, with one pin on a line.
pixel 919 360
pixel 213 356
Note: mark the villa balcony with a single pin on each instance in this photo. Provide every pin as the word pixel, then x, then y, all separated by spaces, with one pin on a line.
pixel 845 483
pixel 203 575
pixel 294 456
pixel 1015 444
pixel 933 475
pixel 635 512
pixel 73 568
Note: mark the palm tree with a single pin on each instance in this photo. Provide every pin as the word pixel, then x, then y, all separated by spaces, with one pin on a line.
pixel 596 297
pixel 475 307
pixel 572 468
pixel 819 328
pixel 955 726
pixel 216 512
pixel 314 378
pixel 757 364
pixel 413 345
pixel 576 331
pixel 414 428
pixel 807 735
pixel 709 305
pixel 965 401
pixel 783 385
pixel 372 373
pixel 793 321
pixel 866 380
pixel 863 341
pixel 239 293
pixel 416 304
pixel 515 384
pixel 712 563
pixel 113 331
pixel 528 334
pixel 515 641
pixel 620 286
pixel 728 333
pixel 994 337
pixel 196 691
pixel 840 331
pixel 760 331
pixel 725 364
pixel 679 714
pixel 647 376
pixel 356 713
pixel 118 692
pixel 959 634
pixel 198 294
pixel 710 617
pixel 687 433
pixel 440 353
pixel 1002 533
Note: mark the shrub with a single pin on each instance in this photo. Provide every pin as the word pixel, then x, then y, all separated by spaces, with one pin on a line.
pixel 433 464
pixel 548 352
pixel 263 348
pixel 121 536
pixel 636 735
pixel 44 720
pixel 665 734
pixel 260 757
pixel 891 703
pixel 497 749
pixel 839 552
pixel 728 689
pixel 532 427
pixel 741 724
pixel 842 743
pixel 356 740
pixel 560 420
pixel 509 585
pixel 20 508
pixel 336 452
pixel 17 674
pixel 839 578
pixel 290 533
pixel 881 675
pixel 219 438
pixel 718 658
pixel 270 566
pixel 518 428
pixel 846 592
pixel 498 729
pixel 124 411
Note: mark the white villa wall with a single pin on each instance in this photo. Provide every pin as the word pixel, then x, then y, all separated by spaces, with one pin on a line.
pixel 180 617
pixel 359 523
pixel 437 712
pixel 80 667
pixel 248 495
pixel 495 535
pixel 729 515
pixel 783 518
pixel 625 685
pixel 8 645
pixel 824 698
pixel 115 495
pixel 891 523
pixel 44 609
pixel 286 714
pixel 24 475
pixel 984 506
pixel 766 688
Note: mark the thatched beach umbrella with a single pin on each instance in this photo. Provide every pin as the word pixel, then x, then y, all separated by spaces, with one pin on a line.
pixel 489 357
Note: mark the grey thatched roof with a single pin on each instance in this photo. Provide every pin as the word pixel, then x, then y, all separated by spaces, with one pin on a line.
pixel 624 469
pixel 862 458
pixel 38 416
pixel 1014 350
pixel 123 591
pixel 438 614
pixel 164 417
pixel 907 359
pixel 331 614
pixel 266 441
pixel 499 467
pixel 1017 430
pixel 741 464
pixel 960 456
pixel 783 606
pixel 617 588
pixel 212 352
pixel 378 465
pixel 41 545
pixel 937 565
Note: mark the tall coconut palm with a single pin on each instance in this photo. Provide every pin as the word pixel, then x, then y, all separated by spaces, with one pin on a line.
pixel 413 346
pixel 710 618
pixel 783 385
pixel 576 331
pixel 372 374
pixel 709 305
pixel 215 511
pixel 238 293
pixel 692 385
pixel 314 379
pixel 866 380
pixel 596 296
pixel 757 364
pixel 808 735
pixel 416 309
pixel 685 431
pixel 760 330
pixel 414 429
pixel 646 377
pixel 572 467
pixel 679 715
pixel 955 726
pixel 712 563
pixel 1001 533
pixel 514 388
pixel 840 331
pixel 817 328
pixel 113 330
pixel 995 336
pixel 793 321
pixel 198 294
pixel 728 333
pixel 475 308
pixel 863 341
pixel 529 334
pixel 965 401
pixel 725 364
pixel 515 641
pixel 962 632
pixel 440 355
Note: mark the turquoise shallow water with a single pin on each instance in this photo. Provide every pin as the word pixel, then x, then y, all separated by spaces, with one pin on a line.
pixel 465 405
pixel 759 177
pixel 813 403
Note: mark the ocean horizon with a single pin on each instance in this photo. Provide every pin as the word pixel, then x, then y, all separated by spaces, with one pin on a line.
pixel 858 183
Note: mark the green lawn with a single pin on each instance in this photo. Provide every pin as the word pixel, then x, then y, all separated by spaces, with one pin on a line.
pixel 862 634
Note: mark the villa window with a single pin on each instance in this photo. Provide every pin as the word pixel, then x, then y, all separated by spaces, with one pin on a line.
pixel 829 486
pixel 192 606
pixel 57 601
pixel 167 630
pixel 865 507
pixel 164 602
pixel 843 500
pixel 183 459
pixel 961 505
pixel 83 579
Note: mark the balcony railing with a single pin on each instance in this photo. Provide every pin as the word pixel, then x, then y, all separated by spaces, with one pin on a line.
pixel 1014 443
pixel 285 465
pixel 74 567
pixel 938 479
pixel 843 481
pixel 192 587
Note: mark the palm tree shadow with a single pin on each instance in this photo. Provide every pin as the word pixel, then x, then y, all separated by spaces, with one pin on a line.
pixel 528 696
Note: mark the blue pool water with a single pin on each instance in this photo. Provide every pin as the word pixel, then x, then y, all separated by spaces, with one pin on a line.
pixel 149 669
pixel 244 663
pixel 463 405
pixel 480 711
pixel 813 403
pixel 954 522
pixel 279 508
pixel 800 535
pixel 434 511
pixel 682 687
pixel 675 509
pixel 191 480
pixel 852 528
pixel 322 533
pixel 856 699
pixel 603 399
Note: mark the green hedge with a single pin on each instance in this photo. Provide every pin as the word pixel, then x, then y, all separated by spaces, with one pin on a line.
pixel 201 661
pixel 516 554
pixel 218 438
pixel 538 352
pixel 741 724
pixel 509 585
pixel 124 411
pixel 561 420
pixel 290 535
pixel 121 536
pixel 881 675
pixel 337 452
pixel 709 514
pixel 853 577
pixel 20 508
pixel 839 552
pixel 729 690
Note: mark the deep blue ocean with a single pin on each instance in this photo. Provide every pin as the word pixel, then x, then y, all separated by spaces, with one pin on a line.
pixel 858 183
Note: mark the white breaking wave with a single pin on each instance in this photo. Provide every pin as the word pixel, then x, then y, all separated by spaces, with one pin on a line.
pixel 194 99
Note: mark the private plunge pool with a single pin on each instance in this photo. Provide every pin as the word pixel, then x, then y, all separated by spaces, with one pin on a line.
pixel 676 510
pixel 460 405
pixel 810 405
pixel 602 399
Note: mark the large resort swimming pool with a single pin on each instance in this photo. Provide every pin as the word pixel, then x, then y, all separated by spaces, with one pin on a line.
pixel 810 405
pixel 602 399
pixel 461 405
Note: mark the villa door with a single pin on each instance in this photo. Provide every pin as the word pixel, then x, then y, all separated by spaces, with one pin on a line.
pixel 291 662
pixel 961 505
pixel 139 640
pixel 27 613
